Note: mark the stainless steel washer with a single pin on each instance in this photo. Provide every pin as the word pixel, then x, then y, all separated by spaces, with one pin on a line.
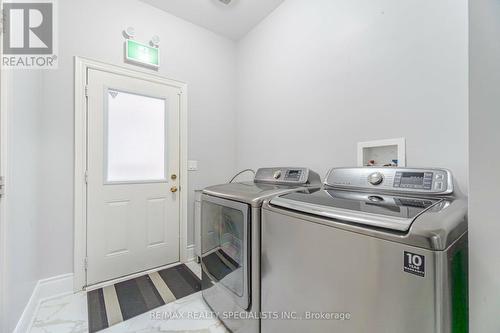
pixel 380 250
pixel 230 223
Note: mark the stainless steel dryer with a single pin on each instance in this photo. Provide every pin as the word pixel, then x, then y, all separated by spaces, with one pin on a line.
pixel 375 250
pixel 230 223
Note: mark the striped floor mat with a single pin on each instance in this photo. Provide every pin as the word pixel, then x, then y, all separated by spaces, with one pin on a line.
pixel 113 304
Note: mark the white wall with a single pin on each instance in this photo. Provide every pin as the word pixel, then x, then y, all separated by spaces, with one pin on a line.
pixel 484 119
pixel 41 190
pixel 22 226
pixel 317 77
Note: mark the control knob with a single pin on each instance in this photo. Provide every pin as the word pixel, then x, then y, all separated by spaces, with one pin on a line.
pixel 375 178
pixel 277 174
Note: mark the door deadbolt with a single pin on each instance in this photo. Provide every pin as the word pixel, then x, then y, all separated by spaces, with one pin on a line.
pixel 173 189
pixel 173 177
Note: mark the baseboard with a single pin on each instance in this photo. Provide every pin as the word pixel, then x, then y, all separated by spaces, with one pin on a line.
pixel 190 255
pixel 44 289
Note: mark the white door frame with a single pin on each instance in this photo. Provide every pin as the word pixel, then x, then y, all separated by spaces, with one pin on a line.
pixel 82 65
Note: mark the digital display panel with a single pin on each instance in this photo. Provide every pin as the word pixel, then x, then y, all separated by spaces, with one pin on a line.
pixel 293 175
pixel 412 178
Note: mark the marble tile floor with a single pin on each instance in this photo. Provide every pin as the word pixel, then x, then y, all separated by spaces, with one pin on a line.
pixel 64 314
pixel 68 314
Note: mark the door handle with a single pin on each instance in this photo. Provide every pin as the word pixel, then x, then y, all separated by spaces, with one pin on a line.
pixel 173 189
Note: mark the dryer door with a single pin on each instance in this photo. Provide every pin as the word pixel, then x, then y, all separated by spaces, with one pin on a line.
pixel 225 255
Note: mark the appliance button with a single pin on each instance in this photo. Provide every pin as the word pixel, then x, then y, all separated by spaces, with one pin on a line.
pixel 438 186
pixel 439 177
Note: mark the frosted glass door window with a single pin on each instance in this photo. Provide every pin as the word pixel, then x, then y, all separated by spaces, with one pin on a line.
pixel 136 138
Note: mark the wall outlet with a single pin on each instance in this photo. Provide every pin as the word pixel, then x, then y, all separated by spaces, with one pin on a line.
pixel 192 165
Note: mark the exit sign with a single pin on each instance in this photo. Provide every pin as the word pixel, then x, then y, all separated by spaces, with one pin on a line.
pixel 142 53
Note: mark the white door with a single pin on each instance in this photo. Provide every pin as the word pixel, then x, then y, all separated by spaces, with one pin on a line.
pixel 132 175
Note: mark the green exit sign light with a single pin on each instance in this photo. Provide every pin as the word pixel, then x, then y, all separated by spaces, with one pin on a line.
pixel 142 53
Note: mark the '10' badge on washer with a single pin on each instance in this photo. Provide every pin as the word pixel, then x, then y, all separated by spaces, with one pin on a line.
pixel 414 264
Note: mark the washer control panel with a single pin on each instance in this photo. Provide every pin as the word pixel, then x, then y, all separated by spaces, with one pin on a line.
pixel 431 181
pixel 287 175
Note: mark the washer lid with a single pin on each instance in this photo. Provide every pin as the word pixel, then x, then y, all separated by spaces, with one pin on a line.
pixel 268 182
pixel 249 192
pixel 374 210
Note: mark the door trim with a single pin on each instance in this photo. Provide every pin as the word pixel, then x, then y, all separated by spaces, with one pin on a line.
pixel 82 65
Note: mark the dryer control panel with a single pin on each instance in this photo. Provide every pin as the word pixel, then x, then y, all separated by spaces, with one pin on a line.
pixel 287 175
pixel 402 180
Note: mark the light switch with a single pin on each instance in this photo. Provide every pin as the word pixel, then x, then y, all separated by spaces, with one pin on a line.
pixel 192 165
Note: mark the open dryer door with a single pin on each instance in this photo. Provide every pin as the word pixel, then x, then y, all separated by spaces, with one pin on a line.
pixel 225 254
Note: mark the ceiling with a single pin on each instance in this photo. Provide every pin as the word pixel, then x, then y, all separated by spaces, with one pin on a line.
pixel 234 20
